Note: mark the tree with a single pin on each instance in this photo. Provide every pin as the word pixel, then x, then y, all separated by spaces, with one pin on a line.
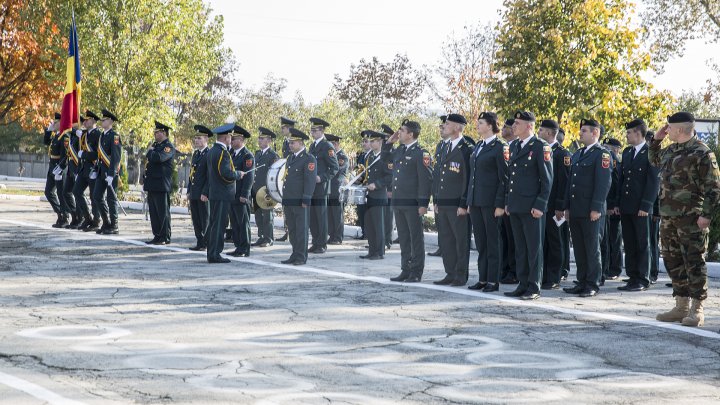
pixel 568 59
pixel 30 62
pixel 396 84
pixel 465 71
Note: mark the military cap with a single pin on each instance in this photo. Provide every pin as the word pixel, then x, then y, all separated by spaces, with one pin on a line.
pixel 203 130
pixel 82 119
pixel 108 114
pixel 612 142
pixel 332 138
pixel 680 117
pixel 386 129
pixel 90 114
pixel 286 121
pixel 634 123
pixel 317 122
pixel 297 135
pixel 490 117
pixel 57 116
pixel 525 116
pixel 232 129
pixel 602 129
pixel 550 124
pixel 162 127
pixel 374 134
pixel 509 122
pixel 266 132
pixel 460 119
pixel 589 123
pixel 443 118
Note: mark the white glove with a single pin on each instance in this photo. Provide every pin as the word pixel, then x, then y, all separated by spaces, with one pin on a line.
pixel 58 177
pixel 57 170
pixel 93 175
pixel 109 180
pixel 80 154
pixel 78 133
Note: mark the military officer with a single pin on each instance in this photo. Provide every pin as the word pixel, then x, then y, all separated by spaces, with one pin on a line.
pixel 53 182
pixel 199 210
pixel 565 226
pixel 509 274
pixel 379 175
pixel 611 244
pixel 586 203
pixel 71 143
pixel 361 160
pixel 554 246
pixel 109 155
pixel 690 195
pixel 440 152
pixel 298 188
pixel 327 168
pixel 240 207
pixel 528 190
pixel 219 190
pixel 450 181
pixel 412 183
pixel 388 214
pixel 264 159
pixel 637 191
pixel 159 167
pixel 336 221
pixel 486 200
pixel 87 173
pixel 285 125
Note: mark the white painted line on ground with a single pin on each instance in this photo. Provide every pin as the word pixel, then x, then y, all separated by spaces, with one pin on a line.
pixel 384 281
pixel 35 390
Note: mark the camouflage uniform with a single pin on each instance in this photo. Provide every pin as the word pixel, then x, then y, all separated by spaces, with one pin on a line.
pixel 690 188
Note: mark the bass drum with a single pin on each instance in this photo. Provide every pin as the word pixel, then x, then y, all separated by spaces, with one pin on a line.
pixel 275 179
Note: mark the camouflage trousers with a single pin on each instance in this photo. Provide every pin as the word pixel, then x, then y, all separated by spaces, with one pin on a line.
pixel 683 249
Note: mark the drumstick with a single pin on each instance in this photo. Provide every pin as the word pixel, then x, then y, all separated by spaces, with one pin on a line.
pixel 254 168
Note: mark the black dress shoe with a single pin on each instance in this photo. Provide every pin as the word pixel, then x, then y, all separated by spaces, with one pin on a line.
pixel 612 277
pixel 388 246
pixel 401 277
pixel 669 285
pixel 283 238
pixel 588 293
pixel 574 290
pixel 361 237
pixel 219 260
pixel 653 280
pixel 318 250
pixel 334 242
pixel 239 253
pixel 151 241
pixel 478 286
pixel 632 287
pixel 311 249
pixel 298 262
pixel 412 279
pixel 529 296
pixel 625 280
pixel 266 244
pixel 288 261
pixel 161 242
pixel 492 287
pixel 446 281
pixel 458 283
pixel 550 286
pixel 375 257
pixel 197 248
pixel 509 280
pixel 435 253
pixel 258 242
pixel 396 240
pixel 515 293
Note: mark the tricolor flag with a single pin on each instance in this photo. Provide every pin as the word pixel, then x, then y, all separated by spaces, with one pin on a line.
pixel 71 100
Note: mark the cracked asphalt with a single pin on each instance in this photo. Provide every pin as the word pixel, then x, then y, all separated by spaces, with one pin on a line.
pixel 109 320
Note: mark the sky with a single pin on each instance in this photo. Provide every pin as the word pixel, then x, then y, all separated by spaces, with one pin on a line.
pixel 309 42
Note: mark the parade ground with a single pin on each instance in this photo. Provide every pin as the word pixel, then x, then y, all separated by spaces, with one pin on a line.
pixel 110 320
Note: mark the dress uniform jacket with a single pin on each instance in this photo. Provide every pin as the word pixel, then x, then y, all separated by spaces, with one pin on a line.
pixel 299 183
pixel 555 237
pixel 198 174
pixel 244 160
pixel 327 166
pixel 286 149
pixel 221 174
pixel 451 176
pixel 379 174
pixel 109 155
pixel 89 144
pixel 159 167
pixel 263 161
pixel 412 177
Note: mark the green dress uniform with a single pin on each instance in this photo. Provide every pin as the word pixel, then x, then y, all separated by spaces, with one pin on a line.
pixel 159 168
pixel 109 155
pixel 240 211
pixel 336 221
pixel 264 159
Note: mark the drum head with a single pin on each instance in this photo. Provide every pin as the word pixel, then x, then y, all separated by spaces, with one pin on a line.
pixel 275 179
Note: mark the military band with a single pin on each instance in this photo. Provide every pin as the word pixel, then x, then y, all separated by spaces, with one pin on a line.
pixel 336 223
pixel 265 157
pixel 378 176
pixel 327 168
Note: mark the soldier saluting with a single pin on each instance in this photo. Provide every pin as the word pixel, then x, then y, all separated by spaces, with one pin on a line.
pixel 159 168
pixel 199 210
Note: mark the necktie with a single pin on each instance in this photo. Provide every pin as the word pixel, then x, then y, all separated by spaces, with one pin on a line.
pixel 518 146
pixel 582 152
pixel 479 148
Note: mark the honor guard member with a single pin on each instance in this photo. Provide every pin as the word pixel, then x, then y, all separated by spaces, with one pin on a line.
pixel 554 246
pixel 440 153
pixel 219 191
pixel 450 182
pixel 285 125
pixel 529 182
pixel 379 175
pixel 327 168
pixel 388 214
pixel 298 187
pixel 240 208
pixel 87 173
pixel 586 204
pixel 637 191
pixel 611 244
pixel 159 167
pixel 71 141
pixel 565 226
pixel 53 182
pixel 690 195
pixel 335 210
pixel 412 183
pixel 509 275
pixel 199 209
pixel 654 228
pixel 109 155
pixel 264 159
pixel 486 200
pixel 361 161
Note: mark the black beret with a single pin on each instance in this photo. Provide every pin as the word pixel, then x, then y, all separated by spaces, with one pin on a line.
pixel 317 122
pixel 589 123
pixel 490 117
pixel 457 118
pixel 387 129
pixel 286 121
pixel 525 116
pixel 203 130
pixel 162 127
pixel 232 129
pixel 90 114
pixel 509 122
pixel 298 135
pixel 602 129
pixel 108 114
pixel 57 116
pixel 332 138
pixel 266 132
pixel 649 134
pixel 680 117
pixel 551 124
pixel 82 119
pixel 469 140
pixel 443 118
pixel 612 142
pixel 634 123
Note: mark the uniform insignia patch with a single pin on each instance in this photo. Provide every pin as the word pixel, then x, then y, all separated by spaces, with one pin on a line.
pixel 713 161
pixel 167 149
pixel 506 153
pixel 390 166
pixel 426 159
pixel 117 140
pixel 566 160
pixel 605 162
pixel 547 153
pixel 311 166
pixel 331 152
pixel 248 163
